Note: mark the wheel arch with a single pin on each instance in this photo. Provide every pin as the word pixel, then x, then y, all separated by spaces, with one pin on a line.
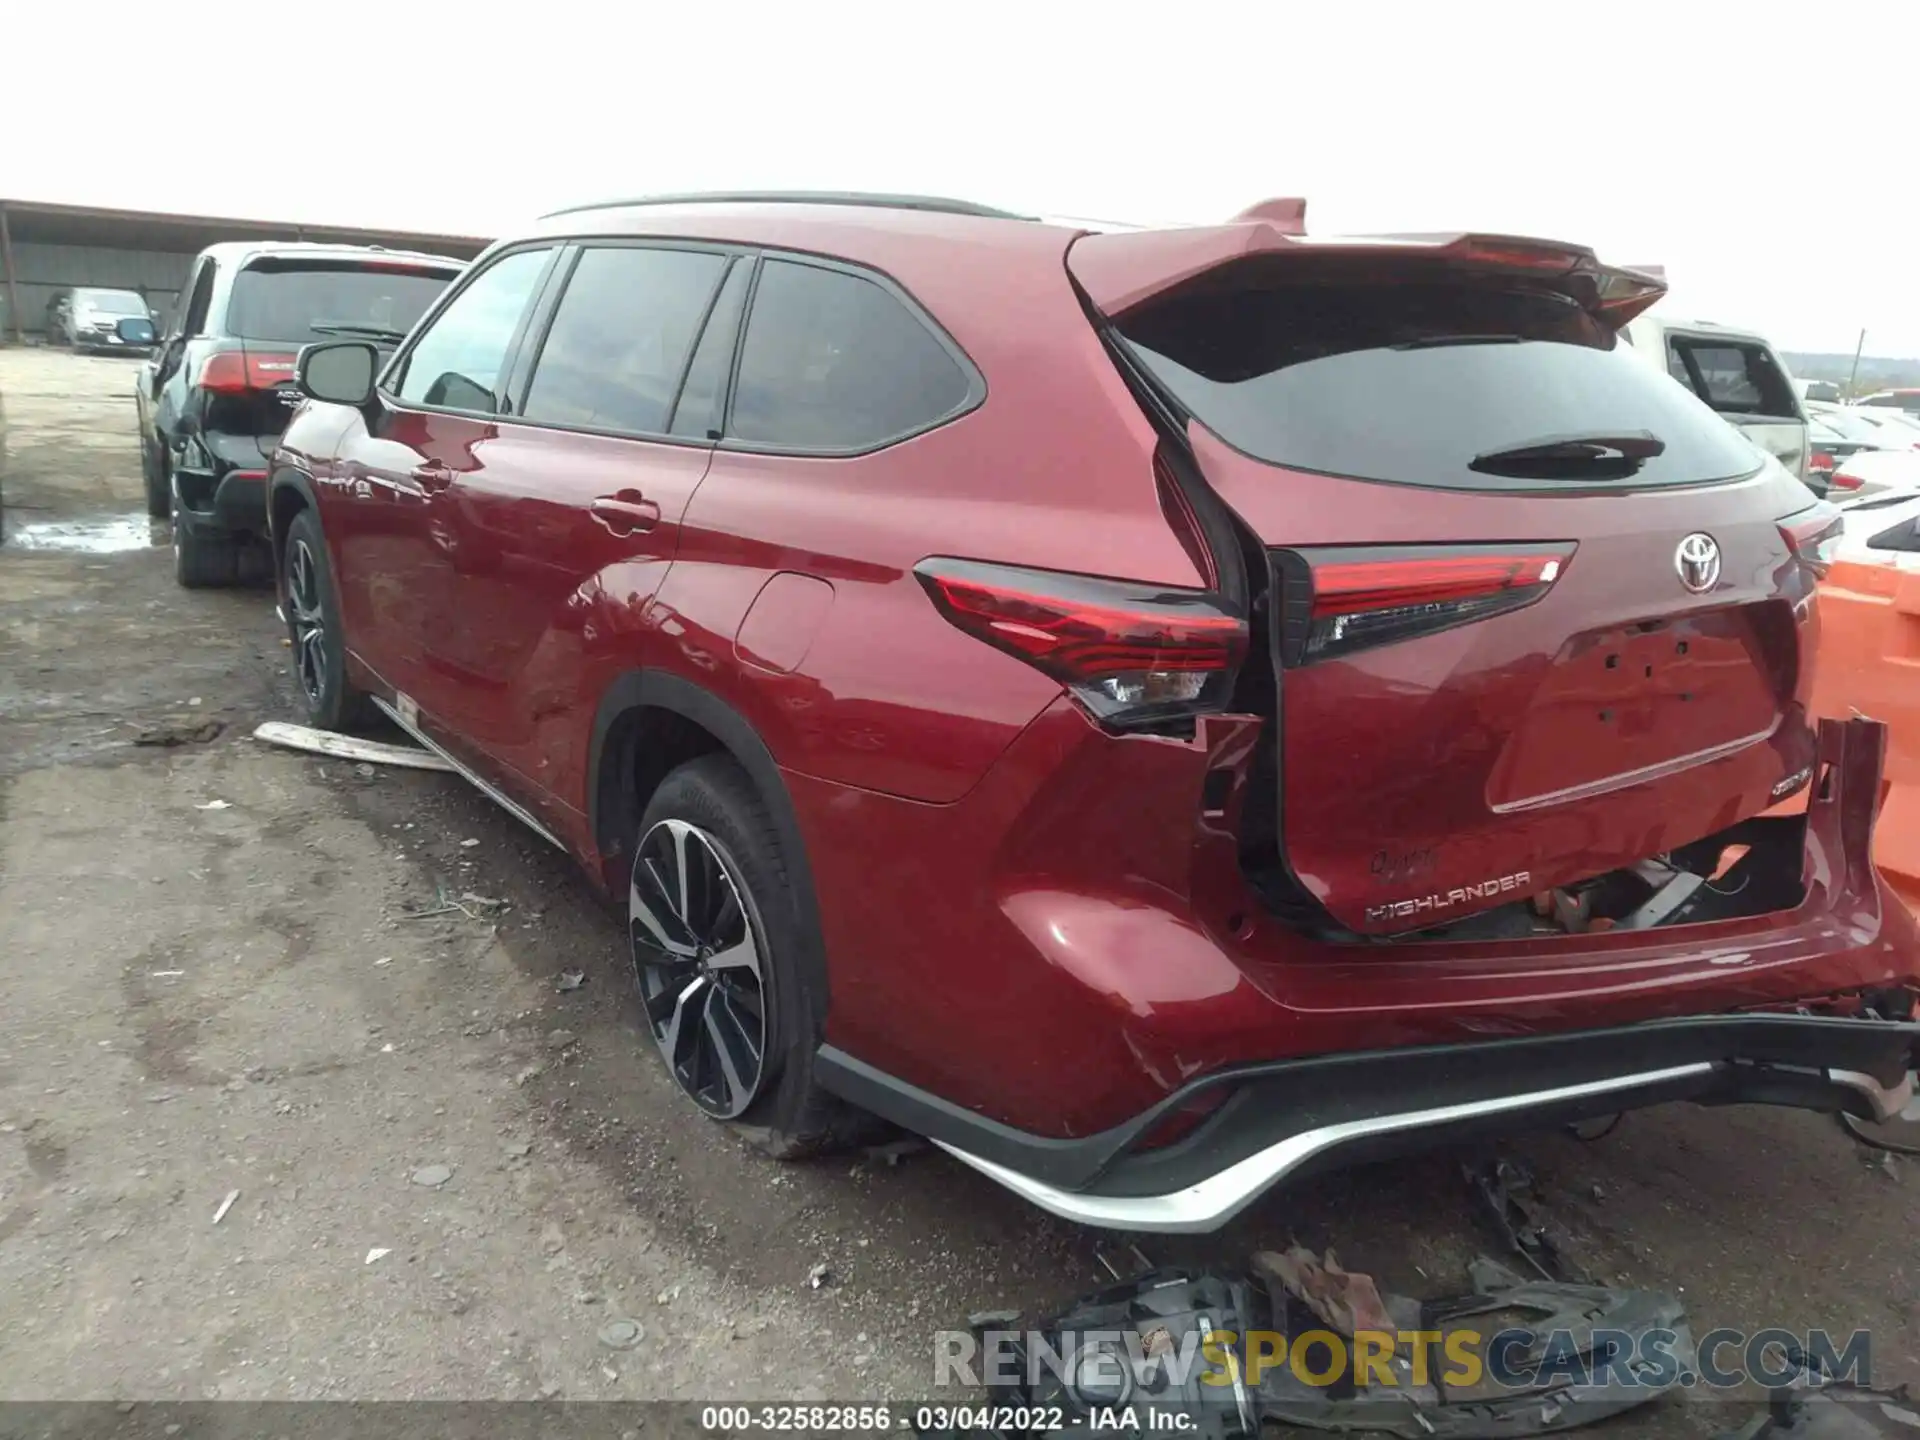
pixel 649 722
pixel 289 491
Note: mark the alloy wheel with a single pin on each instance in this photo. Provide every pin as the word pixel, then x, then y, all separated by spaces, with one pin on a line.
pixel 306 620
pixel 698 954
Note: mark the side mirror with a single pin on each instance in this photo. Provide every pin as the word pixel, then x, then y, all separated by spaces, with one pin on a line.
pixel 339 372
pixel 135 331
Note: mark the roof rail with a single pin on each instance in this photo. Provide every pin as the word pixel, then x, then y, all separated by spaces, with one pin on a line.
pixel 935 203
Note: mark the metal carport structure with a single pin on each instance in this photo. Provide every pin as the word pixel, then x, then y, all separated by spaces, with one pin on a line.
pixel 46 246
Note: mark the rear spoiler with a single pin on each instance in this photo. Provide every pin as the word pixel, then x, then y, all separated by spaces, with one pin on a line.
pixel 1120 271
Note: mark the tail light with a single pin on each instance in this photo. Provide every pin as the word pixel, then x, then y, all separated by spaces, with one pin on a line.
pixel 234 372
pixel 1131 652
pixel 1813 535
pixel 1821 462
pixel 1337 600
pixel 1841 480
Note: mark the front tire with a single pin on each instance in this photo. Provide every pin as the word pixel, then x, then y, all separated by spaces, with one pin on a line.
pixel 717 941
pixel 319 644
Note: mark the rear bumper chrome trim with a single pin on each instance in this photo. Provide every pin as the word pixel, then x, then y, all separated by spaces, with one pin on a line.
pixel 1658 771
pixel 1211 1202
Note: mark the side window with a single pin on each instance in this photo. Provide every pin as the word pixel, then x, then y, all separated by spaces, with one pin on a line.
pixel 458 362
pixel 832 361
pixel 619 340
pixel 698 412
pixel 193 314
pixel 1739 379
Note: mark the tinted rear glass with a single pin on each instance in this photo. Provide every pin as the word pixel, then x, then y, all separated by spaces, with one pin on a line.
pixel 834 362
pixel 275 300
pixel 1410 381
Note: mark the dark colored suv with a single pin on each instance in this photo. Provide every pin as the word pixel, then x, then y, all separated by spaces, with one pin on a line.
pixel 217 392
pixel 1154 711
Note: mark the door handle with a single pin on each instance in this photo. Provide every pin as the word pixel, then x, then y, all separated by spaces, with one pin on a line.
pixel 626 513
pixel 433 476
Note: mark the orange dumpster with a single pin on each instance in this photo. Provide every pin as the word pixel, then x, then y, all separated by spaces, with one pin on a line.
pixel 1868 663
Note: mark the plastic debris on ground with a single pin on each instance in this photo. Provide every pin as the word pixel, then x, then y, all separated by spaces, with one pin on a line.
pixel 1834 1412
pixel 1133 1354
pixel 1349 1303
pixel 346 747
pixel 1505 1190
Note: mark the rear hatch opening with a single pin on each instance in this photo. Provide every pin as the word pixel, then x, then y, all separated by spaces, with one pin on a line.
pixel 1532 615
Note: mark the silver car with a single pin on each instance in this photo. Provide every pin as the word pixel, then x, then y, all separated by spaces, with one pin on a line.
pixel 90 316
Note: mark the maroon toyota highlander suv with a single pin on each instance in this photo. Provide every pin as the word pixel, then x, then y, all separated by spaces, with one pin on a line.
pixel 1155 711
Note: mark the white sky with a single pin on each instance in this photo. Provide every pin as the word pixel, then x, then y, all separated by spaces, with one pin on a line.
pixel 1713 138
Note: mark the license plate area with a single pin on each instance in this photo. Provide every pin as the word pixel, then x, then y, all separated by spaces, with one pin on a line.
pixel 1615 702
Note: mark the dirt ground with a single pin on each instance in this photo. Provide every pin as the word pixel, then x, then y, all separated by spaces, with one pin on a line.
pixel 211 982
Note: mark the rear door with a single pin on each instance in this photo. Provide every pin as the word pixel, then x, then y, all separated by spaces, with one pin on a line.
pixel 581 497
pixel 1531 611
pixel 1745 384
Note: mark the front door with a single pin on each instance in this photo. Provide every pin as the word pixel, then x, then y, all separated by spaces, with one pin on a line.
pixel 435 418
pixel 575 516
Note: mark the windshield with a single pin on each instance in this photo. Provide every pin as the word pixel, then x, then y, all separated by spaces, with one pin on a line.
pixel 112 302
pixel 290 301
pixel 1410 382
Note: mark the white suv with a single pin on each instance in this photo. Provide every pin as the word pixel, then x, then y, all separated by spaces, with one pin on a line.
pixel 1737 373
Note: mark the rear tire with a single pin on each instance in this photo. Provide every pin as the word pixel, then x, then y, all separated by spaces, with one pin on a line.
pixel 153 473
pixel 204 557
pixel 318 642
pixel 693 968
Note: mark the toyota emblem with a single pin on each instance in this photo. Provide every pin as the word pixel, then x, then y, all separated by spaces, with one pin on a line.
pixel 1698 562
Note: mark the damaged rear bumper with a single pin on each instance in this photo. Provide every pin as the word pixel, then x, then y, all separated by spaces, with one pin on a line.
pixel 1289 1118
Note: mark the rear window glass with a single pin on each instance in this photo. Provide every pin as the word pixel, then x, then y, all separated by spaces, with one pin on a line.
pixel 1735 379
pixel 276 301
pixel 1409 382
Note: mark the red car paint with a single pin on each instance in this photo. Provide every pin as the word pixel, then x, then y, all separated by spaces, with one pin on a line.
pixel 1037 918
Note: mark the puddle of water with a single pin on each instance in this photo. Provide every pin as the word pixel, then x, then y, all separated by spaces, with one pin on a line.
pixel 96 535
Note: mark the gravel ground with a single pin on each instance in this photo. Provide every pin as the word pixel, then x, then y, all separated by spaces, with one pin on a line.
pixel 452 1174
